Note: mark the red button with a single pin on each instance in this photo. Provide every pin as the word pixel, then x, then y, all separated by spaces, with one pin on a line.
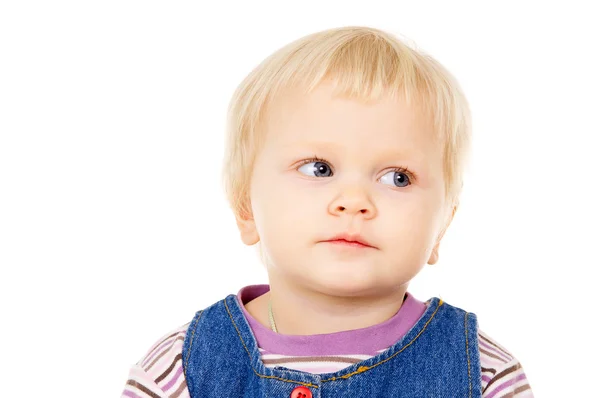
pixel 301 392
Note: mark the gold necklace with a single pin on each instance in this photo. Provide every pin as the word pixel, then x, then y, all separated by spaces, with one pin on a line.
pixel 273 327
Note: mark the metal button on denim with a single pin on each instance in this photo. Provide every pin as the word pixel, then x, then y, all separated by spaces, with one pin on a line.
pixel 301 392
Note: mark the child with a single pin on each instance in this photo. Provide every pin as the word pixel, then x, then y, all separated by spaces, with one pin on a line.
pixel 344 162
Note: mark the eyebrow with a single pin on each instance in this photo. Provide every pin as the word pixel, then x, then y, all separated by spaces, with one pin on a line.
pixel 397 154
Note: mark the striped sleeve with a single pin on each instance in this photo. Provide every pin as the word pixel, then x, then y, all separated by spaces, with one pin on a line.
pixel 159 373
pixel 502 375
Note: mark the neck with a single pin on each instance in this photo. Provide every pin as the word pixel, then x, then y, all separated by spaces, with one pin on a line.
pixel 301 311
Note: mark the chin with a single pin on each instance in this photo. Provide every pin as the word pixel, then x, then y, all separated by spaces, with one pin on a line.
pixel 347 285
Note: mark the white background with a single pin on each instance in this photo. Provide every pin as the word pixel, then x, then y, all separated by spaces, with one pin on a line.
pixel 114 230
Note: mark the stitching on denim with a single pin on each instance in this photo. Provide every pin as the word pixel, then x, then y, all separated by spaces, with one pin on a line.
pixel 250 356
pixel 365 368
pixel 191 343
pixel 468 358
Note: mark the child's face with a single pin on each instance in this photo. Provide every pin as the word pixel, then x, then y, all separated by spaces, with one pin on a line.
pixel 357 190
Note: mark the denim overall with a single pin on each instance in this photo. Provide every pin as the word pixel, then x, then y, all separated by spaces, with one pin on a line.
pixel 438 357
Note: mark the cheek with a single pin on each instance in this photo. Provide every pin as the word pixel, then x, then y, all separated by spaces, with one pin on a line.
pixel 281 206
pixel 411 220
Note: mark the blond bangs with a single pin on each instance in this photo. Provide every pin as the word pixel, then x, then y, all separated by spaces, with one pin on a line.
pixel 365 64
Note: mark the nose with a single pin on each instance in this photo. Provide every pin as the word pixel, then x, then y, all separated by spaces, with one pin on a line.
pixel 352 201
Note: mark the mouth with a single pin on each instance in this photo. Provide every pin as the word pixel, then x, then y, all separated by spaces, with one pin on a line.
pixel 354 241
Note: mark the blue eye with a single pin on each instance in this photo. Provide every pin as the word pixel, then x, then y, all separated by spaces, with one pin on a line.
pixel 316 169
pixel 397 178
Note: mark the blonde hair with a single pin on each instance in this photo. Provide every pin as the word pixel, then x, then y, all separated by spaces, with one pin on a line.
pixel 364 63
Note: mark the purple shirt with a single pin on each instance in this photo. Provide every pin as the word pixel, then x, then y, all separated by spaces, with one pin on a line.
pixel 365 341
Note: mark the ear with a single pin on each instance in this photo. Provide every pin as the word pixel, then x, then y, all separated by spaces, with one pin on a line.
pixel 434 257
pixel 247 228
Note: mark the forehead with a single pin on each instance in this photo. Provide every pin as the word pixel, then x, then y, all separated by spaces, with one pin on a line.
pixel 320 118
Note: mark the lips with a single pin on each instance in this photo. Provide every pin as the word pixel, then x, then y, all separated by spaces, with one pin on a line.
pixel 350 240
